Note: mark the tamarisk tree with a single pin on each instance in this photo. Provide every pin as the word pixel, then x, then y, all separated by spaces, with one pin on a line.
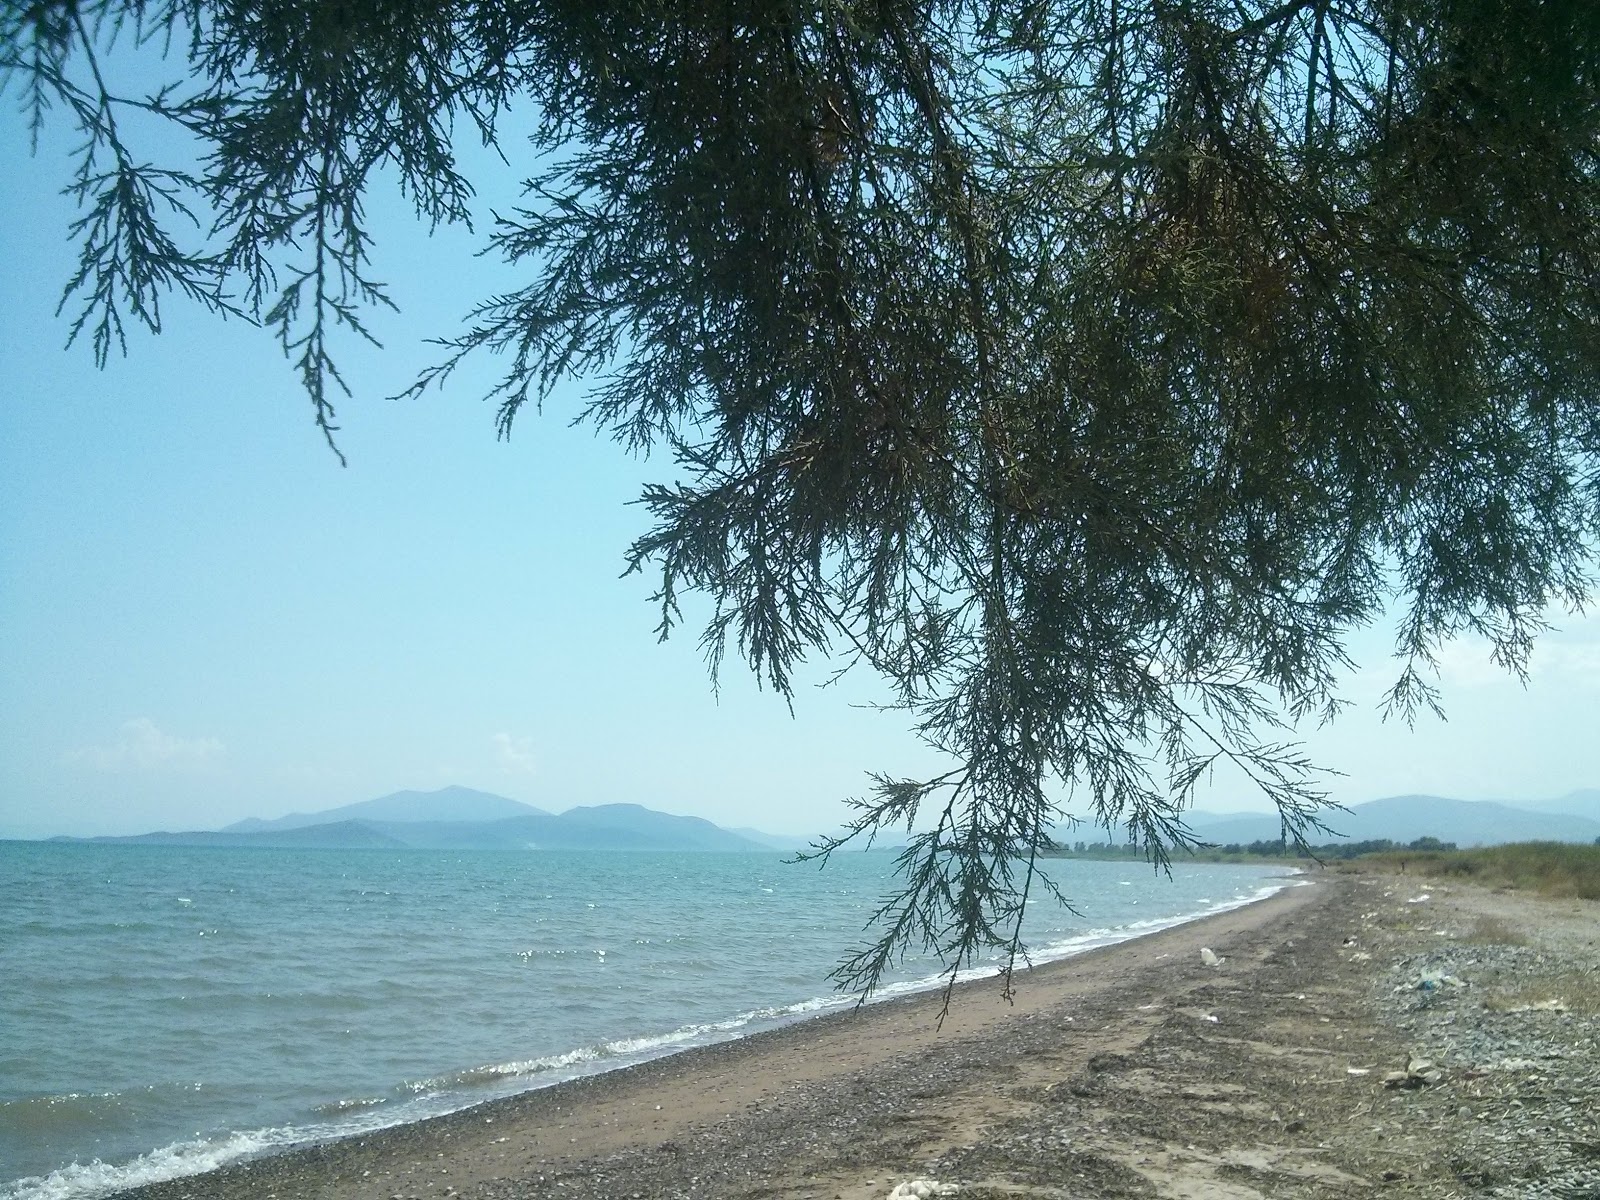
pixel 1087 369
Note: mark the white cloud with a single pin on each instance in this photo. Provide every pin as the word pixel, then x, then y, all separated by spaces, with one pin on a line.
pixel 1469 662
pixel 141 746
pixel 515 754
pixel 1568 654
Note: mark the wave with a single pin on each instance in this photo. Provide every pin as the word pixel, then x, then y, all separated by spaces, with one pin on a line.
pixel 87 1181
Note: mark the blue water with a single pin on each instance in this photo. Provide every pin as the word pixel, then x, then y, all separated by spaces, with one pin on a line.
pixel 166 1009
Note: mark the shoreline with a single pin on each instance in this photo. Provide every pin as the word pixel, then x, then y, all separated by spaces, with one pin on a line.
pixel 649 1107
pixel 235 1148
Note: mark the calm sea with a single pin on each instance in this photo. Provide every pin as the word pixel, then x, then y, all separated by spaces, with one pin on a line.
pixel 164 1010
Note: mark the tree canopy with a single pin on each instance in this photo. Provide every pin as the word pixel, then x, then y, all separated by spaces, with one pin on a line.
pixel 1088 369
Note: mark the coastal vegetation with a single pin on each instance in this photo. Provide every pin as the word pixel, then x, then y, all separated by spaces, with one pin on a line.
pixel 1557 869
pixel 1560 870
pixel 1281 848
pixel 1087 371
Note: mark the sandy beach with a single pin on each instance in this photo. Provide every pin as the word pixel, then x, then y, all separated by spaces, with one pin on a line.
pixel 1136 1070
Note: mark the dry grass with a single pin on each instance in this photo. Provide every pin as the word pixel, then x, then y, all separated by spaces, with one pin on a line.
pixel 1492 931
pixel 1563 870
pixel 1574 991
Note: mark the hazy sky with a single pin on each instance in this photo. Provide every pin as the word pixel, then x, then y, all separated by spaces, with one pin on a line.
pixel 203 617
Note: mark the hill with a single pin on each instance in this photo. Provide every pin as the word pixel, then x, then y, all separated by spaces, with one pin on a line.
pixel 445 804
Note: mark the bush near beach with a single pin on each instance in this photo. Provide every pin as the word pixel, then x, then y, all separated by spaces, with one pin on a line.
pixel 1560 869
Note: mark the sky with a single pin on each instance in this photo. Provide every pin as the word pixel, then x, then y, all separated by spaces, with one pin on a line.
pixel 204 617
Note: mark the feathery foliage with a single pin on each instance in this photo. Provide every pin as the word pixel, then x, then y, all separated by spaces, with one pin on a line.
pixel 1087 369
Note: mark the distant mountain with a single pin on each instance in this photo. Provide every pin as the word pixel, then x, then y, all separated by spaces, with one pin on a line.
pixel 608 827
pixel 1583 803
pixel 1406 818
pixel 773 841
pixel 446 804
pixel 616 824
pixel 457 818
pixel 341 835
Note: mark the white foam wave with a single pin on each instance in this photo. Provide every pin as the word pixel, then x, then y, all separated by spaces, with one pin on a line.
pixel 621 1052
pixel 1090 940
pixel 86 1181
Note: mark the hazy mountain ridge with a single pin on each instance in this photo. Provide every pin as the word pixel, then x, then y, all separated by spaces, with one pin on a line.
pixel 773 841
pixel 445 804
pixel 1585 802
pixel 606 827
pixel 448 819
pixel 445 820
pixel 1406 818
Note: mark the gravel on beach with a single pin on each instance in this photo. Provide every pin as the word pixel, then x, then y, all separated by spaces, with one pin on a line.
pixel 1503 995
pixel 1353 1040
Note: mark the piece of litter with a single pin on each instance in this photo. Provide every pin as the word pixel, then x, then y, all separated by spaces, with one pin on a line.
pixel 1210 957
pixel 1358 1070
pixel 922 1189
pixel 1419 1071
pixel 1418 899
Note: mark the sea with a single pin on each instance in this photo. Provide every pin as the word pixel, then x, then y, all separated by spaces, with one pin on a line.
pixel 165 1010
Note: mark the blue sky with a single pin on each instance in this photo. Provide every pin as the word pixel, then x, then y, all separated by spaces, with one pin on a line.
pixel 203 617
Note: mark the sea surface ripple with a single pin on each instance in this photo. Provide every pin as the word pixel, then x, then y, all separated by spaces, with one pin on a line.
pixel 169 1009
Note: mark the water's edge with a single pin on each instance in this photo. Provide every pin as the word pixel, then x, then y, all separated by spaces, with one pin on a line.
pixel 471 1087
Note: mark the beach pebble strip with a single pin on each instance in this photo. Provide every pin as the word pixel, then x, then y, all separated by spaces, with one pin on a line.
pixel 1512 1033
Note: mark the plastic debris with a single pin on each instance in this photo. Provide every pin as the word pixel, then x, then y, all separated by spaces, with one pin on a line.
pixel 1432 981
pixel 1418 1072
pixel 1210 957
pixel 1422 899
pixel 922 1189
